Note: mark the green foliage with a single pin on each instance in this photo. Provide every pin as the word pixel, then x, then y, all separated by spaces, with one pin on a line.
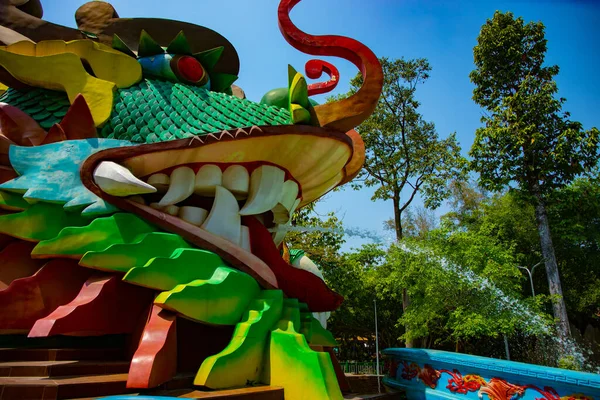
pixel 527 138
pixel 452 279
pixel 404 154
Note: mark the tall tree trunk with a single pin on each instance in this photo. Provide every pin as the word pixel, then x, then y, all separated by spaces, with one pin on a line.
pixel 558 306
pixel 399 235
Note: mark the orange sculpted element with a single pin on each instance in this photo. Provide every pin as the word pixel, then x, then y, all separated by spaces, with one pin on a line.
pixel 499 389
pixel 429 376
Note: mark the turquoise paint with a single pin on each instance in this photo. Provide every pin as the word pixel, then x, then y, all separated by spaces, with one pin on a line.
pixel 564 382
pixel 50 173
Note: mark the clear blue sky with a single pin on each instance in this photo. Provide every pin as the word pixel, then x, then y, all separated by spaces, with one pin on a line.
pixel 442 31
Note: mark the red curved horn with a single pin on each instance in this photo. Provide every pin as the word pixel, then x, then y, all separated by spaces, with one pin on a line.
pixel 350 112
pixel 314 69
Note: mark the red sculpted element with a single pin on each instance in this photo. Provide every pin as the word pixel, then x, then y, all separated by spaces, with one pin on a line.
pixel 314 69
pixel 460 384
pixel 429 376
pixel 409 371
pixel 345 114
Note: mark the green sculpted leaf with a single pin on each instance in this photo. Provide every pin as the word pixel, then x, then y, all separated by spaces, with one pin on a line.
pixel 305 374
pixel 97 236
pixel 121 257
pixel 220 300
pixel 41 221
pixel 244 358
pixel 183 266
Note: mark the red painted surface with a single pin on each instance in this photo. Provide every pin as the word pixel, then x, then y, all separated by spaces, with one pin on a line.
pixel 55 134
pixel 105 305
pixel 28 299
pixel 20 127
pixel 294 282
pixel 314 69
pixel 16 262
pixel 5 240
pixel 7 173
pixel 155 361
pixel 78 122
pixel 190 69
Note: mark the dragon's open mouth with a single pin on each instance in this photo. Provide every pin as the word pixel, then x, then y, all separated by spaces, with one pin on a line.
pixel 232 193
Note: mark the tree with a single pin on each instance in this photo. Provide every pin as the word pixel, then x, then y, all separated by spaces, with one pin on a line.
pixel 527 140
pixel 404 154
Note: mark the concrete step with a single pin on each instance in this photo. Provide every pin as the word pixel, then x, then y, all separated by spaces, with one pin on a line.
pixel 61 368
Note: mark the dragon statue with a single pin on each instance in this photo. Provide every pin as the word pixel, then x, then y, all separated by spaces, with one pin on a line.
pixel 141 194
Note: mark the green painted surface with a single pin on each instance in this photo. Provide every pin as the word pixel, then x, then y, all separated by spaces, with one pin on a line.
pixel 97 236
pixel 121 257
pixel 155 111
pixel 243 360
pixel 41 221
pixel 12 201
pixel 304 373
pixel 220 300
pixel 314 332
pixel 183 266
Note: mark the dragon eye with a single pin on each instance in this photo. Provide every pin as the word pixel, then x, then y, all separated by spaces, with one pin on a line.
pixel 189 69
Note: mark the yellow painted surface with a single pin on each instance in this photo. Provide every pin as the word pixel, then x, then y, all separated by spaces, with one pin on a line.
pixel 62 72
pixel 108 64
pixel 316 162
pixel 3 88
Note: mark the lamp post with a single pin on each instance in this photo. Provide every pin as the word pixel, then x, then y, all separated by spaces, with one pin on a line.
pixel 377 348
pixel 530 273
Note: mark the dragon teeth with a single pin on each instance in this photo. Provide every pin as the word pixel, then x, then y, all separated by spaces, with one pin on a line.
pixel 160 182
pixel 283 210
pixel 181 186
pixel 207 179
pixel 117 180
pixel 170 209
pixel 266 185
pixel 245 238
pixel 224 218
pixel 236 179
pixel 193 215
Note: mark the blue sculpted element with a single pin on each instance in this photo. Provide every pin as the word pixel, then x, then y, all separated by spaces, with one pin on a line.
pixel 441 375
pixel 50 173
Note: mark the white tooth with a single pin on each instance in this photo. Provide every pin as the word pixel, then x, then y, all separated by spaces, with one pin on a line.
pixel 237 180
pixel 208 177
pixel 117 180
pixel 159 181
pixel 138 199
pixel 279 235
pixel 193 215
pixel 266 184
pixel 180 188
pixel 282 212
pixel 245 238
pixel 171 209
pixel 224 219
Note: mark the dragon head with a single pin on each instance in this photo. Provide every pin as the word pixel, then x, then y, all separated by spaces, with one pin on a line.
pixel 126 149
pixel 152 126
